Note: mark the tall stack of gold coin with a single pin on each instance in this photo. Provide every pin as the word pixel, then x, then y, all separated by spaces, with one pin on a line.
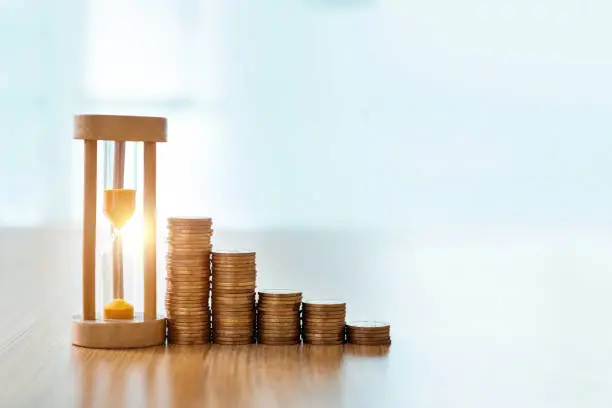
pixel 233 297
pixel 188 280
pixel 278 317
pixel 323 322
pixel 368 333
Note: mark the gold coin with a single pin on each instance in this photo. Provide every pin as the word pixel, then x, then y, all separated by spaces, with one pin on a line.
pixel 196 260
pixel 198 248
pixel 231 286
pixel 185 290
pixel 232 337
pixel 202 245
pixel 368 338
pixel 362 338
pixel 188 316
pixel 187 301
pixel 277 319
pixel 327 327
pixel 189 276
pixel 189 342
pixel 279 342
pixel 278 334
pixel 232 260
pixel 324 342
pixel 231 291
pixel 203 228
pixel 193 297
pixel 202 324
pixel 188 319
pixel 280 293
pixel 385 342
pixel 233 320
pixel 231 267
pixel 324 303
pixel 234 270
pixel 322 312
pixel 187 287
pixel 189 219
pixel 277 310
pixel 188 308
pixel 323 316
pixel 192 326
pixel 179 334
pixel 237 304
pixel 367 332
pixel 234 252
pixel 178 300
pixel 225 342
pixel 278 322
pixel 233 330
pixel 190 229
pixel 200 278
pixel 236 313
pixel 368 325
pixel 279 301
pixel 322 327
pixel 330 335
pixel 189 266
pixel 195 242
pixel 230 279
pixel 217 311
pixel 233 298
pixel 323 320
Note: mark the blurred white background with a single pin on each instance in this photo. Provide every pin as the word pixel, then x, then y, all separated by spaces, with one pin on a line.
pixel 443 165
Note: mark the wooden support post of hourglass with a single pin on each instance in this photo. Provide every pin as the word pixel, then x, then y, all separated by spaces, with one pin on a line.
pixel 145 329
pixel 150 251
pixel 89 229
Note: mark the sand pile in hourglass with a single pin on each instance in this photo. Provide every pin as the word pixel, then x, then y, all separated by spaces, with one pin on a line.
pixel 188 280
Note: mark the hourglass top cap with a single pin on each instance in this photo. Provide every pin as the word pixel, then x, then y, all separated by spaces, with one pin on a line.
pixel 120 128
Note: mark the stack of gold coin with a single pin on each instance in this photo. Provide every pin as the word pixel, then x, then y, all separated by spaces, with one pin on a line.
pixel 233 297
pixel 323 322
pixel 368 333
pixel 188 280
pixel 278 317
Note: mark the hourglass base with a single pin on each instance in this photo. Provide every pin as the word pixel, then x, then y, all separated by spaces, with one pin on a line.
pixel 118 334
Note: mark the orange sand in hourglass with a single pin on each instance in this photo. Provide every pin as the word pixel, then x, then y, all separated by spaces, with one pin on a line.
pixel 119 207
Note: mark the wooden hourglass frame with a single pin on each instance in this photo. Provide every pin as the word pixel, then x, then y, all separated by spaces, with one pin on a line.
pixel 90 330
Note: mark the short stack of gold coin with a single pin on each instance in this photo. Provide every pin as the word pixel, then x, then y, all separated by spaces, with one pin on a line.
pixel 368 333
pixel 278 317
pixel 233 297
pixel 323 322
pixel 188 280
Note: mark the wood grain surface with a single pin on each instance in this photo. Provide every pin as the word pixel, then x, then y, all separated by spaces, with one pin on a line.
pixel 475 325
pixel 43 370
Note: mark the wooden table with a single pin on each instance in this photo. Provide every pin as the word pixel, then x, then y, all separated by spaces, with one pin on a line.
pixel 56 374
pixel 482 325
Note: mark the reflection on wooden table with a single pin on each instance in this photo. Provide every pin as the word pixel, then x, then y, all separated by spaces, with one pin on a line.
pixel 213 375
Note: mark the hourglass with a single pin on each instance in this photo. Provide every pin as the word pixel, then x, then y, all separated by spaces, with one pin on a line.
pixel 118 326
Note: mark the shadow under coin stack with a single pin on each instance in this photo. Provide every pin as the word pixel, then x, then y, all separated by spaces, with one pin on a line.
pixel 368 333
pixel 188 280
pixel 233 297
pixel 278 317
pixel 323 322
